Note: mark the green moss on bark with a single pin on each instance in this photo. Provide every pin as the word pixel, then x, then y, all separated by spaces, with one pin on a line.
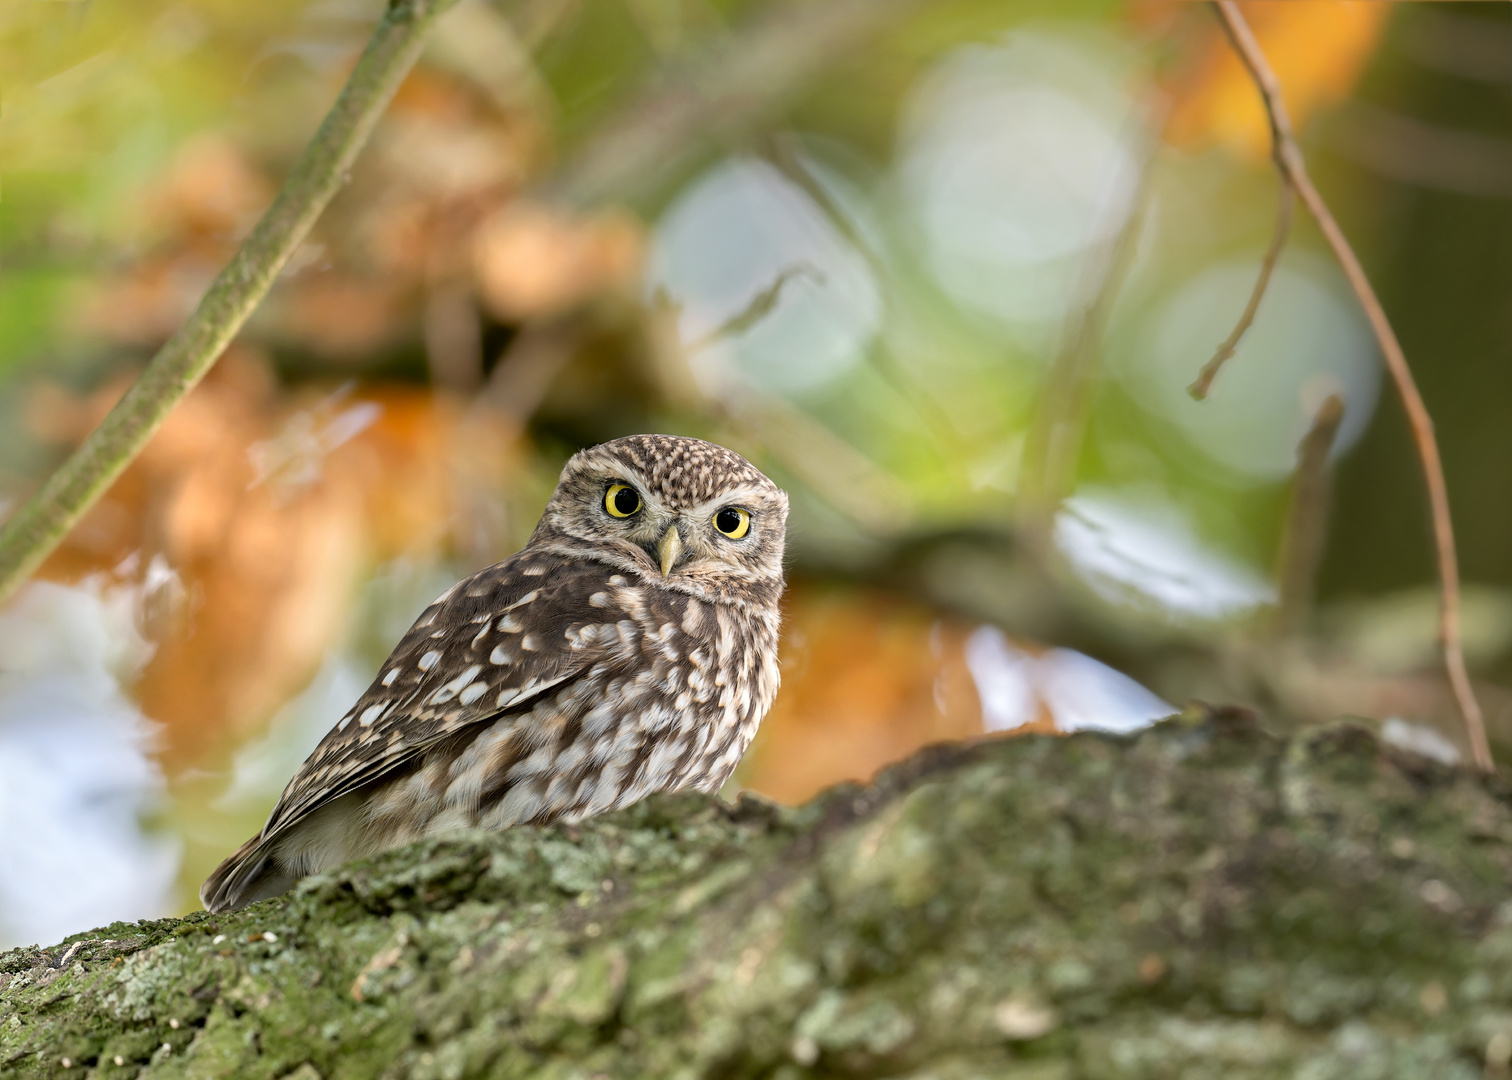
pixel 1200 900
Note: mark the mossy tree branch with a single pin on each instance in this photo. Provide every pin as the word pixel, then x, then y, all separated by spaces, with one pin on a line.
pixel 33 531
pixel 1202 899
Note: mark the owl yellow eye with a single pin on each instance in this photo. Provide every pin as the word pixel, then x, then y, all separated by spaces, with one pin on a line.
pixel 733 522
pixel 621 500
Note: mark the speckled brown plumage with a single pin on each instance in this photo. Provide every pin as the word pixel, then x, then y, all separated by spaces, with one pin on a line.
pixel 611 658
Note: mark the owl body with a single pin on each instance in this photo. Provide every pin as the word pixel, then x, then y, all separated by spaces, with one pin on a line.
pixel 629 648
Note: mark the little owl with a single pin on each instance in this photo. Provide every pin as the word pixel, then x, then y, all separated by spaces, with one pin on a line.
pixel 631 647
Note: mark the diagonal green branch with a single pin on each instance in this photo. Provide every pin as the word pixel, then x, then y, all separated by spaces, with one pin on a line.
pixel 34 530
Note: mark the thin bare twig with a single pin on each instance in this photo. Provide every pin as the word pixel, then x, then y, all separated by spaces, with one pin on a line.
pixel 1199 389
pixel 33 531
pixel 839 473
pixel 761 305
pixel 1306 527
pixel 1294 172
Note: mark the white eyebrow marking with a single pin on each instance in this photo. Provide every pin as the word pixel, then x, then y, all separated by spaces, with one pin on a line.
pixel 388 680
pixel 428 661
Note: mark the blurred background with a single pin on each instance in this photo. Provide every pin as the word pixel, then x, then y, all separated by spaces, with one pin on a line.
pixel 943 270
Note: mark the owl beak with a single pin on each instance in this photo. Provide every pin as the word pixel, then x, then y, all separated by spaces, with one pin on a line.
pixel 670 549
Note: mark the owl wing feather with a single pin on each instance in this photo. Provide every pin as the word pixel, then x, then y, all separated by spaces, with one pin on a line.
pixel 488 646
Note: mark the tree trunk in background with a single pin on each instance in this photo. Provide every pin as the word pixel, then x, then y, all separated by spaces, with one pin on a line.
pixel 1201 900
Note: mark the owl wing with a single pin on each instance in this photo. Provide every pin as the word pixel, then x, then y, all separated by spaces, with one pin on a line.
pixel 487 646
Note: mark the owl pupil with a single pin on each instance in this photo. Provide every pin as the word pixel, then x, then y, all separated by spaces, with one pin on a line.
pixel 727 521
pixel 626 501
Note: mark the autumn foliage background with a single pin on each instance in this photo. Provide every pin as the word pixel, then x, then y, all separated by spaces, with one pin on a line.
pixel 855 242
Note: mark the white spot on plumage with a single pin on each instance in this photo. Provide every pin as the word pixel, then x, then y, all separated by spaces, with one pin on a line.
pixel 530 643
pixel 521 804
pixel 453 688
pixel 506 695
pixel 472 693
pixel 522 601
pixel 725 645
pixel 429 660
pixel 510 625
pixel 599 599
pixel 388 680
pixel 371 713
pixel 499 656
pixel 600 719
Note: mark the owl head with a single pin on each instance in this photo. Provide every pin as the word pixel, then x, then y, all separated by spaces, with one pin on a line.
pixel 684 513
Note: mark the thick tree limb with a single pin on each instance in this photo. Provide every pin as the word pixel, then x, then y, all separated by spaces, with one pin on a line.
pixel 1201 899
pixel 1294 172
pixel 33 531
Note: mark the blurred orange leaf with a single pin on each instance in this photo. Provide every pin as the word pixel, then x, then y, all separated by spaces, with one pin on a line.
pixel 866 680
pixel 1318 49
pixel 532 261
pixel 268 550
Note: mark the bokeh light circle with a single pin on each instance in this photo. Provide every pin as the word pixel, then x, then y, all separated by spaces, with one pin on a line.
pixel 1308 341
pixel 726 239
pixel 1016 159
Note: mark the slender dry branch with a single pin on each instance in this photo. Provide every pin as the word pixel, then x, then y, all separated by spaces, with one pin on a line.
pixel 761 305
pixel 1199 389
pixel 1306 528
pixel 1294 172
pixel 33 531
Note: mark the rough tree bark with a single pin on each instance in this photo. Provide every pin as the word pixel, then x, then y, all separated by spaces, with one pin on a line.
pixel 1204 899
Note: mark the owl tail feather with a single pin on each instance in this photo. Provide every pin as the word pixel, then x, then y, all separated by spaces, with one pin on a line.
pixel 249 874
